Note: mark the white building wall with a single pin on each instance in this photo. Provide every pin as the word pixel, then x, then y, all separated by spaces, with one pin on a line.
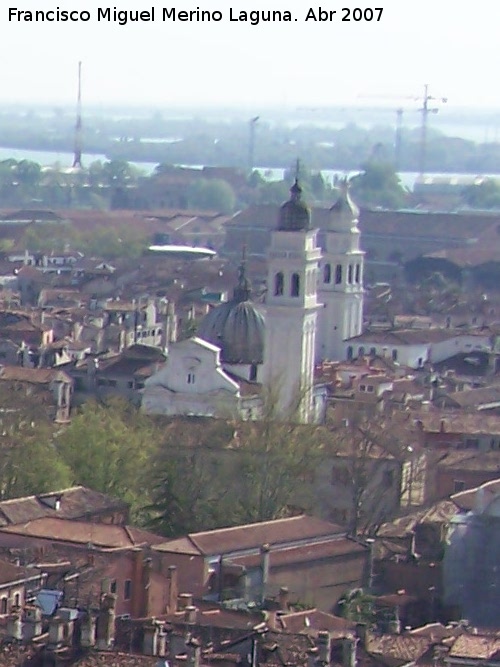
pixel 291 321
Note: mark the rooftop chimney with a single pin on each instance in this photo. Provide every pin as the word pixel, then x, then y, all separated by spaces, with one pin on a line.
pixel 264 565
pixel 32 623
pixel 15 625
pixel 151 636
pixel 172 589
pixel 349 646
pixel 88 628
pixel 193 653
pixel 184 600
pixel 56 631
pixel 106 623
pixel 283 597
pixel 324 646
pixel 190 613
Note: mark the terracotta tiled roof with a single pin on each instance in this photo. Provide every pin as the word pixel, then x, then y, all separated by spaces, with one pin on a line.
pixel 475 646
pixel 77 502
pixel 466 500
pixel 80 532
pixel 10 573
pixel 305 553
pixel 33 375
pixel 471 460
pixel 312 619
pixel 252 536
pixel 402 647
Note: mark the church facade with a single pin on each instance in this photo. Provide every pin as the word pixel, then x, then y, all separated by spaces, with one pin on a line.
pixel 314 302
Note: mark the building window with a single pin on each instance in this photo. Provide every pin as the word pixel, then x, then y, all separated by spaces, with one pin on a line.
pixel 350 352
pixel 191 378
pixel 362 387
pixel 338 274
pixel 295 286
pixel 361 352
pixel 369 389
pixel 279 282
pixel 358 274
pixel 17 600
pixel 373 351
pixel 394 355
pixel 253 373
pixel 127 589
pixel 458 485
pixel 327 274
pixel 3 606
pixel 112 586
pixel 349 274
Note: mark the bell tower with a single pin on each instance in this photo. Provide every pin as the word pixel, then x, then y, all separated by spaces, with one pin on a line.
pixel 340 285
pixel 291 311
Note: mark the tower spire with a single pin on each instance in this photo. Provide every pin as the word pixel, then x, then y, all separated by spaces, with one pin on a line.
pixel 77 158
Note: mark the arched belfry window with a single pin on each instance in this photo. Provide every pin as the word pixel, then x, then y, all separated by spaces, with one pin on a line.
pixel 279 283
pixel 349 275
pixel 327 273
pixel 295 287
pixel 358 274
pixel 338 274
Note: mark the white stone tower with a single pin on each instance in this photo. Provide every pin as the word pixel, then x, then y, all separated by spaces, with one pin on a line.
pixel 340 286
pixel 291 311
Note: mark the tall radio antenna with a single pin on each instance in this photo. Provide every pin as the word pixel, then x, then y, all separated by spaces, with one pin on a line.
pixel 77 159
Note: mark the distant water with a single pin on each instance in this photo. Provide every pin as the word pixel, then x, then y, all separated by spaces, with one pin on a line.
pixel 65 159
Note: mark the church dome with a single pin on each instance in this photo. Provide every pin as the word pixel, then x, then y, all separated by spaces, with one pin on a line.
pixel 237 327
pixel 294 214
pixel 344 213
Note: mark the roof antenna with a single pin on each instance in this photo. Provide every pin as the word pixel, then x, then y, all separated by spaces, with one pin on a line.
pixel 77 159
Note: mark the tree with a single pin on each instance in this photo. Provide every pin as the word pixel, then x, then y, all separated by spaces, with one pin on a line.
pixel 378 185
pixel 29 462
pixel 108 448
pixel 212 194
pixel 368 469
pixel 190 487
pixel 484 195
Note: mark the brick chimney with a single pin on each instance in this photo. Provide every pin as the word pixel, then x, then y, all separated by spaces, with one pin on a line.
pixel 146 587
pixel 56 632
pixel 283 598
pixel 349 648
pixel 173 589
pixel 190 614
pixel 264 566
pixel 193 653
pixel 150 644
pixel 184 600
pixel 15 625
pixel 324 646
pixel 32 623
pixel 88 627
pixel 106 622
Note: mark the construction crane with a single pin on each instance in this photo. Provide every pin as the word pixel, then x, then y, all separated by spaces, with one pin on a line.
pixel 77 158
pixel 425 111
pixel 251 143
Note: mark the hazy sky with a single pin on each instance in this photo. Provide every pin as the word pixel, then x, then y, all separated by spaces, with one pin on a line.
pixel 451 45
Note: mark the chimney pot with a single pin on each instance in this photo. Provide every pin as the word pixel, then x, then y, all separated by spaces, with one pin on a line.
pixel 190 613
pixel 184 600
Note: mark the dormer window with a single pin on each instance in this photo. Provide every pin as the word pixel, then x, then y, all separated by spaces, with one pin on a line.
pixel 191 378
